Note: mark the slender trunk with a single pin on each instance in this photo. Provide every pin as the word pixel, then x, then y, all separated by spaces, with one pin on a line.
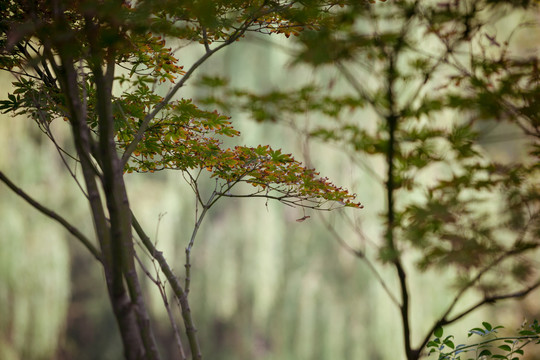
pixel 123 308
pixel 118 204
pixel 392 123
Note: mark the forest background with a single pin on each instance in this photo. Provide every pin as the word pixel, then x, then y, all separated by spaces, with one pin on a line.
pixel 266 285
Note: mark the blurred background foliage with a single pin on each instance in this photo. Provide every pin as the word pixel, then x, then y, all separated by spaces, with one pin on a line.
pixel 264 286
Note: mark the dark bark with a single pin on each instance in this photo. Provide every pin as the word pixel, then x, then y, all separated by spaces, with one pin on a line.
pixel 123 309
pixel 118 206
pixel 123 253
pixel 392 123
pixel 110 232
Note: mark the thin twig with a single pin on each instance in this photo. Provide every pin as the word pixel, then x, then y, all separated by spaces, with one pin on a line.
pixel 176 332
pixel 361 255
pixel 162 291
pixel 178 291
pixel 196 227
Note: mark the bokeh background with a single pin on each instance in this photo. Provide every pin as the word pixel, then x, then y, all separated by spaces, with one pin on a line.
pixel 264 286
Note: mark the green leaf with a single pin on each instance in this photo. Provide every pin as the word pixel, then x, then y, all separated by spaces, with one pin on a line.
pixel 487 326
pixel 505 348
pixel 450 344
pixel 476 331
pixel 485 353
pixel 438 332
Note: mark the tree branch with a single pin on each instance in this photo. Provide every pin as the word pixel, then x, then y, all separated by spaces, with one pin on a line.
pixel 179 292
pixel 492 299
pixel 198 223
pixel 392 122
pixel 486 300
pixel 73 230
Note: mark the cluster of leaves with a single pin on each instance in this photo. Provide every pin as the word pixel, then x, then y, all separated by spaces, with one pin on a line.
pixel 490 347
pixel 152 55
pixel 186 138
pixel 450 227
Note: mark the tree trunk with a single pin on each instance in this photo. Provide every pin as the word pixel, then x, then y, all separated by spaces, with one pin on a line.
pixel 114 234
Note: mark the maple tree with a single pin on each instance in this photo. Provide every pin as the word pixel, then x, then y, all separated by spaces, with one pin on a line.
pixel 96 66
pixel 430 81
